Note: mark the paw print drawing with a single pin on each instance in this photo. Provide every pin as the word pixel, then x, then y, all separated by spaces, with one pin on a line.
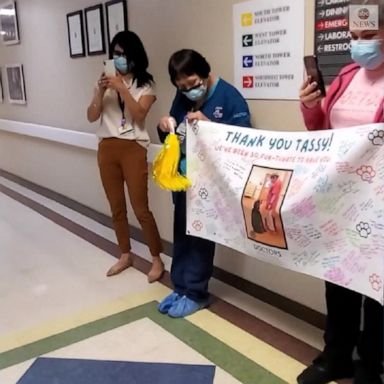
pixel 376 282
pixel 367 173
pixel 197 225
pixel 377 137
pixel 364 229
pixel 203 193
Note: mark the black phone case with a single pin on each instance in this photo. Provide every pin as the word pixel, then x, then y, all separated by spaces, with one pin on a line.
pixel 312 69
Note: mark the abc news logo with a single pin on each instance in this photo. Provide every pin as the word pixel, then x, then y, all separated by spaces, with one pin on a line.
pixel 363 18
pixel 363 14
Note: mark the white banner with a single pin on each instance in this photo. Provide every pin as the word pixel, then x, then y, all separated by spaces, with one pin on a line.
pixel 312 202
pixel 269 48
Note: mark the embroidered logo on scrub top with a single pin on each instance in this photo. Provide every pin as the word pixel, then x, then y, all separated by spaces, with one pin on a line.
pixel 218 112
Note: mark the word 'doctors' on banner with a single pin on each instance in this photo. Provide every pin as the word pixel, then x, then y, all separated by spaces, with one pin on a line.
pixel 312 202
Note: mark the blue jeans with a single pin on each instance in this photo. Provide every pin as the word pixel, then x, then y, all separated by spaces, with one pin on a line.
pixel 192 264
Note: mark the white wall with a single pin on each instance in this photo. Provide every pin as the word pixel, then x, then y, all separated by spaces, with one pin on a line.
pixel 59 88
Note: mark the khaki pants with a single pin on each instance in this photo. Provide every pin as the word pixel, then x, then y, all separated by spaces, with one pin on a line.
pixel 122 161
pixel 267 216
pixel 269 221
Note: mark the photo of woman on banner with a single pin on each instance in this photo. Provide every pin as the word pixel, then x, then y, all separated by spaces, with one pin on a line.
pixel 262 199
pixel 200 95
pixel 354 98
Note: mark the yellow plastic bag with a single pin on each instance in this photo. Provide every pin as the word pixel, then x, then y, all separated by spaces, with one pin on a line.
pixel 165 166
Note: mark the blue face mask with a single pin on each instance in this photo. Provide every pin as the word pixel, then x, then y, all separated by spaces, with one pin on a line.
pixel 367 53
pixel 122 65
pixel 197 93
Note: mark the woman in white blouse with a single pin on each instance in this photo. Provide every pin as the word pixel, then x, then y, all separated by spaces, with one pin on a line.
pixel 122 102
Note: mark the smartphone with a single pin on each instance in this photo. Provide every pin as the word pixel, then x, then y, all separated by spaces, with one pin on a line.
pixel 312 69
pixel 109 68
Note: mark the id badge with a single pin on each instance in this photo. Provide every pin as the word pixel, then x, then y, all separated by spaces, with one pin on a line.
pixel 125 128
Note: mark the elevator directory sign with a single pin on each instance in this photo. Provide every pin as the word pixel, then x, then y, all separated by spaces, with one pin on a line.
pixel 269 48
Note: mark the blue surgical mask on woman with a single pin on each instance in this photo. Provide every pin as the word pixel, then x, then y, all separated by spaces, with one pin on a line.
pixel 367 53
pixel 122 64
pixel 196 93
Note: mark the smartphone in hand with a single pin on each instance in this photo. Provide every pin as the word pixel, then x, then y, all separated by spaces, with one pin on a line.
pixel 109 68
pixel 313 71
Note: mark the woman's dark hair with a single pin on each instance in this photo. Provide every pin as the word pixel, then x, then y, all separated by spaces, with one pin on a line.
pixel 134 51
pixel 187 62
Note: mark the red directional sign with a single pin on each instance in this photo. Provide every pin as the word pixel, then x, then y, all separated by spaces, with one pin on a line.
pixel 247 81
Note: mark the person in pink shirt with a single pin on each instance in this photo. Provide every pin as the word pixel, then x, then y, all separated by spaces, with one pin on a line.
pixel 274 192
pixel 355 97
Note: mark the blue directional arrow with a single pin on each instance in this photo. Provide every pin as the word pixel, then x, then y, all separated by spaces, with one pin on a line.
pixel 247 61
pixel 247 40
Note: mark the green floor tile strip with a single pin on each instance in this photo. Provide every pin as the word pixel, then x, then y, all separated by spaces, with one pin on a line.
pixel 220 354
pixel 72 336
pixel 231 361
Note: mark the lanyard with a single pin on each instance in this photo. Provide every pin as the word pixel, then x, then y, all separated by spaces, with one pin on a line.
pixel 122 107
pixel 124 127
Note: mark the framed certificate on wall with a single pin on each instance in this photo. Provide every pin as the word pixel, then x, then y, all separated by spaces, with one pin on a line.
pixel 15 81
pixel 8 23
pixel 75 34
pixel 117 17
pixel 94 26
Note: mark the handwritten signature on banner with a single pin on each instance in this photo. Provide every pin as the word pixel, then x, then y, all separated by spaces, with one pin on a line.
pixel 307 201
